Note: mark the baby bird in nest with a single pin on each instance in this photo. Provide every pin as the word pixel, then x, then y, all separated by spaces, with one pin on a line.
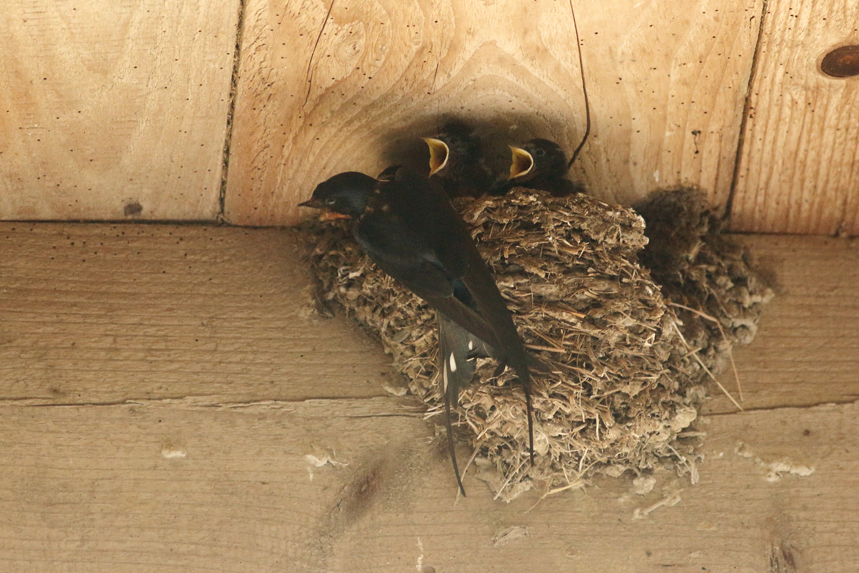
pixel 539 164
pixel 456 161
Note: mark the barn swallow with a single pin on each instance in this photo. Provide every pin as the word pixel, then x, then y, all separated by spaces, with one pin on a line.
pixel 539 164
pixel 408 227
pixel 455 159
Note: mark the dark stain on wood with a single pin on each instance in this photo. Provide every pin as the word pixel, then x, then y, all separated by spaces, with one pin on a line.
pixel 133 209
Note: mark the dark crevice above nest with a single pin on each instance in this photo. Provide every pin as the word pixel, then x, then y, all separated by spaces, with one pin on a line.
pixel 623 383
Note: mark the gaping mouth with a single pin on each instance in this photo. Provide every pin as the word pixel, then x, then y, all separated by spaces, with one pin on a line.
pixel 522 164
pixel 439 153
pixel 326 214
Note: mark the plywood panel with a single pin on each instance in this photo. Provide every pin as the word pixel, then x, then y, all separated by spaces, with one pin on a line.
pixel 107 313
pixel 799 169
pixel 327 87
pixel 114 110
pixel 183 487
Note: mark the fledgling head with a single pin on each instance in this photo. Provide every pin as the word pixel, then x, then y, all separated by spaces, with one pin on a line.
pixel 345 194
pixel 455 146
pixel 538 158
pixel 389 173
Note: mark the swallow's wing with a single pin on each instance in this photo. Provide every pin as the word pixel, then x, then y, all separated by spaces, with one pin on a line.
pixel 458 350
pixel 414 234
pixel 450 246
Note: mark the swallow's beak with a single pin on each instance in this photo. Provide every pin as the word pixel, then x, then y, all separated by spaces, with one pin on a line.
pixel 439 152
pixel 326 215
pixel 332 216
pixel 522 164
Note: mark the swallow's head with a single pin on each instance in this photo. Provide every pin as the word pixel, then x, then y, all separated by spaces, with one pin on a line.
pixel 343 196
pixel 538 157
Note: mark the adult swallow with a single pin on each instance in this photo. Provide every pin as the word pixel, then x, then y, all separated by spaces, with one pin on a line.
pixel 456 160
pixel 408 227
pixel 539 164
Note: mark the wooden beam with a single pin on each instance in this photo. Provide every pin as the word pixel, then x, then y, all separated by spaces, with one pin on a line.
pixel 799 168
pixel 808 338
pixel 114 110
pixel 107 313
pixel 356 485
pixel 155 417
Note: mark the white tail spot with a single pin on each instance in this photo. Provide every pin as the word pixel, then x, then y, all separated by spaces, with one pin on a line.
pixel 452 363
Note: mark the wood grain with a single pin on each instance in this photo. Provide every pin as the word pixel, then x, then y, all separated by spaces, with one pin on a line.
pixel 799 168
pixel 667 82
pixel 108 313
pixel 155 418
pixel 114 110
pixel 807 346
pixel 329 87
pixel 181 487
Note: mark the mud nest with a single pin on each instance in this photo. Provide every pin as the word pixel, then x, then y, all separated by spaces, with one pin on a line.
pixel 626 375
pixel 705 276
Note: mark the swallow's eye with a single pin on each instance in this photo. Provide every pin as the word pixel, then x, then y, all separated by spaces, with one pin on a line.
pixel 539 152
pixel 330 201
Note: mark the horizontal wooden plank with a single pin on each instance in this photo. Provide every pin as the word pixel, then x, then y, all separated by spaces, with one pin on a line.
pixel 107 313
pixel 807 348
pixel 175 486
pixel 183 354
pixel 114 110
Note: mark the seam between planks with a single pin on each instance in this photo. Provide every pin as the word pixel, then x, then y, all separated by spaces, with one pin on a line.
pixel 228 134
pixel 729 205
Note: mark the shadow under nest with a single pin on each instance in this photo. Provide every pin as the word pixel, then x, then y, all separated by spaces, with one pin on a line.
pixel 627 373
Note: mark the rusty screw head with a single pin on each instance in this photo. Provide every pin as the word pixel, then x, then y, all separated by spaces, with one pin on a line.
pixel 841 62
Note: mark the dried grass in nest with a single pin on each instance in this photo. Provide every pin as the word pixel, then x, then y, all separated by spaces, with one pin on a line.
pixel 623 385
pixel 706 277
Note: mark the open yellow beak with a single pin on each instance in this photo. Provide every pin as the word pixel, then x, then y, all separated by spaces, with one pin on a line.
pixel 439 152
pixel 522 163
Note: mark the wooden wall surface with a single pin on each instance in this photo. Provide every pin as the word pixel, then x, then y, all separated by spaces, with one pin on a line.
pixel 159 412
pixel 665 81
pixel 116 110
pixel 366 79
pixel 799 168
